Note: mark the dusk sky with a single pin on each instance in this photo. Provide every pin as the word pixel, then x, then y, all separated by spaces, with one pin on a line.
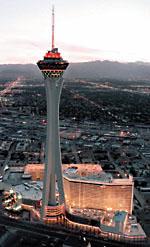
pixel 85 30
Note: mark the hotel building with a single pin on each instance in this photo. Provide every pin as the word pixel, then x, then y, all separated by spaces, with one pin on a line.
pixel 88 186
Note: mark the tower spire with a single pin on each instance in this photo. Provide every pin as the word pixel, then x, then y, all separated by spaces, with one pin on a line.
pixel 53 26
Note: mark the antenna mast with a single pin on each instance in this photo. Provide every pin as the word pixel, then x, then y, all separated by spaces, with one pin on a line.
pixel 53 27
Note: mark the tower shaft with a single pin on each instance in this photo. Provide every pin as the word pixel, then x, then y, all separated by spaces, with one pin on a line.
pixel 53 153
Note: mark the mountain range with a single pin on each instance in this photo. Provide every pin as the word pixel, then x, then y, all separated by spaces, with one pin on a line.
pixel 90 70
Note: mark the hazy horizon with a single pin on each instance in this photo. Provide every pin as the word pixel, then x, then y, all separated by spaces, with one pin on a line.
pixel 76 62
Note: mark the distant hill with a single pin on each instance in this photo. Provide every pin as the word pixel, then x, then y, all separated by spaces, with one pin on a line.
pixel 108 69
pixel 12 71
pixel 90 70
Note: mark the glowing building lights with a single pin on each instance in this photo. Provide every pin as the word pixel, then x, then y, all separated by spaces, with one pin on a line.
pixel 88 186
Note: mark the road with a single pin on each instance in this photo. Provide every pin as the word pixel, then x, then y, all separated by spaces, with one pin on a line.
pixel 10 86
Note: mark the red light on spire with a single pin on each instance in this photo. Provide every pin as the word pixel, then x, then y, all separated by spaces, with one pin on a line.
pixel 53 26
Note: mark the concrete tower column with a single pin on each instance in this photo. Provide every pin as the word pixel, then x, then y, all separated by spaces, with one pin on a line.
pixel 53 152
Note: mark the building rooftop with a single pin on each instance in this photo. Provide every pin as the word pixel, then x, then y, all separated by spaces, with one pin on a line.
pixel 92 173
pixel 119 216
pixel 31 191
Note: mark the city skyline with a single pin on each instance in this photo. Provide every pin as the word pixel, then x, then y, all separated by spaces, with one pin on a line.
pixel 97 30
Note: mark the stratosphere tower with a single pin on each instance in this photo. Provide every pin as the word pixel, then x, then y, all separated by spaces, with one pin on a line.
pixel 52 68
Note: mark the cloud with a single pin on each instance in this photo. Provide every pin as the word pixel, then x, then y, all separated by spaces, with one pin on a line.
pixel 27 43
pixel 78 49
